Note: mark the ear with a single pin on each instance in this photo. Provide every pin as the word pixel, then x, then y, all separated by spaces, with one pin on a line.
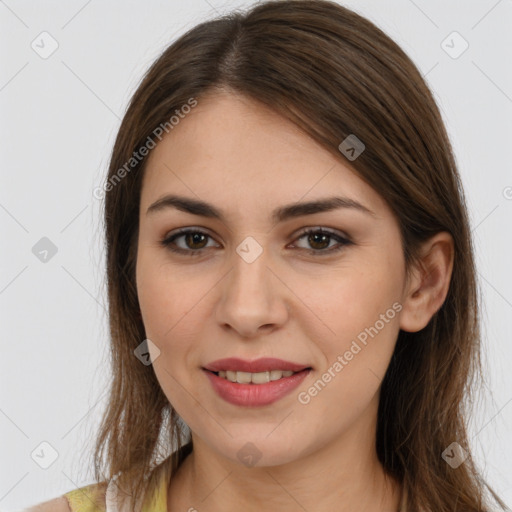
pixel 428 285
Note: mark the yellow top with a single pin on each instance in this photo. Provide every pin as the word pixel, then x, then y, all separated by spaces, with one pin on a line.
pixel 100 497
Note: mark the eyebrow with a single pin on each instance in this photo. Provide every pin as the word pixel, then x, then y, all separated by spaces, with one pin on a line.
pixel 280 214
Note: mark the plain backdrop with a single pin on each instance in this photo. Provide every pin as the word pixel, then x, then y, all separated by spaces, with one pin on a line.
pixel 59 115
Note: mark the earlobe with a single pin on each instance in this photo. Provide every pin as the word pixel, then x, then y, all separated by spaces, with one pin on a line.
pixel 429 284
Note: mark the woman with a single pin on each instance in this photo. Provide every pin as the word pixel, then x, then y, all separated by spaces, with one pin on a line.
pixel 292 291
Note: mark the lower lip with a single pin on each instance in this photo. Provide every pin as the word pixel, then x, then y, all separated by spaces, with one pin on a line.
pixel 255 395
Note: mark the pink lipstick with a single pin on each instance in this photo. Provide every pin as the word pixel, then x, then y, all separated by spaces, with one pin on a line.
pixel 255 383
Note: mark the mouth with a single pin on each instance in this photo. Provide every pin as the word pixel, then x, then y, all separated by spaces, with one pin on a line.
pixel 257 372
pixel 239 377
pixel 255 383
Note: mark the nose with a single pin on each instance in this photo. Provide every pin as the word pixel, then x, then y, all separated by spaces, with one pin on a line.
pixel 253 299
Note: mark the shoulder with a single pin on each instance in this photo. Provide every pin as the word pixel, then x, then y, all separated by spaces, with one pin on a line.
pixel 59 504
pixel 90 498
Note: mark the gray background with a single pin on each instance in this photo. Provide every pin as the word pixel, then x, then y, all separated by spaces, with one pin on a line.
pixel 59 116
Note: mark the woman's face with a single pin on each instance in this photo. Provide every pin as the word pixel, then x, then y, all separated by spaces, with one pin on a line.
pixel 251 285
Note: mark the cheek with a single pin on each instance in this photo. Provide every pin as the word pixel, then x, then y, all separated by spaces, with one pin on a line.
pixel 352 299
pixel 174 308
pixel 155 299
pixel 167 306
pixel 164 300
pixel 355 358
pixel 361 310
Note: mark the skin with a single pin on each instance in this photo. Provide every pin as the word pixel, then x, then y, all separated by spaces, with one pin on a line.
pixel 288 303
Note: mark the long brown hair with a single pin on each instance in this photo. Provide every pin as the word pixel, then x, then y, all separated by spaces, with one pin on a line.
pixel 333 73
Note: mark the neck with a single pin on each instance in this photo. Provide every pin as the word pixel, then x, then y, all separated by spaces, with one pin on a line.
pixel 343 475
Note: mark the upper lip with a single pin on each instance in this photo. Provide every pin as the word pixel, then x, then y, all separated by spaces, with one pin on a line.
pixel 258 365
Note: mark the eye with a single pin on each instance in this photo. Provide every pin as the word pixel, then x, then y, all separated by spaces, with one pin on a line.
pixel 195 241
pixel 319 239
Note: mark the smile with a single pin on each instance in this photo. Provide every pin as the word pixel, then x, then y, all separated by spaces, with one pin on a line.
pixel 254 394
pixel 254 378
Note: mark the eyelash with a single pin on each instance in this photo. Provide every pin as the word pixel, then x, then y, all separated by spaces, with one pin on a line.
pixel 342 241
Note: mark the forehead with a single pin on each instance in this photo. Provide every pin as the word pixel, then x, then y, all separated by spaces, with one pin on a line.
pixel 242 154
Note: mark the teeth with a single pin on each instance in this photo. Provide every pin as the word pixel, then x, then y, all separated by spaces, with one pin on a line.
pixel 255 378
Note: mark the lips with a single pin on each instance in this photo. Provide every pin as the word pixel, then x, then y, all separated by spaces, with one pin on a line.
pixel 263 364
pixel 255 395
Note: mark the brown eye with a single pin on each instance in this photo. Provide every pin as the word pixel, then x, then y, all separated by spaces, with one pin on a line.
pixel 195 240
pixel 192 242
pixel 319 240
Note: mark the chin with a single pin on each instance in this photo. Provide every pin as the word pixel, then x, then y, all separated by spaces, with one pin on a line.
pixel 259 450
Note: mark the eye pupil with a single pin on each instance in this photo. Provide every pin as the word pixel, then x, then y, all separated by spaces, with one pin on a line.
pixel 321 238
pixel 195 238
